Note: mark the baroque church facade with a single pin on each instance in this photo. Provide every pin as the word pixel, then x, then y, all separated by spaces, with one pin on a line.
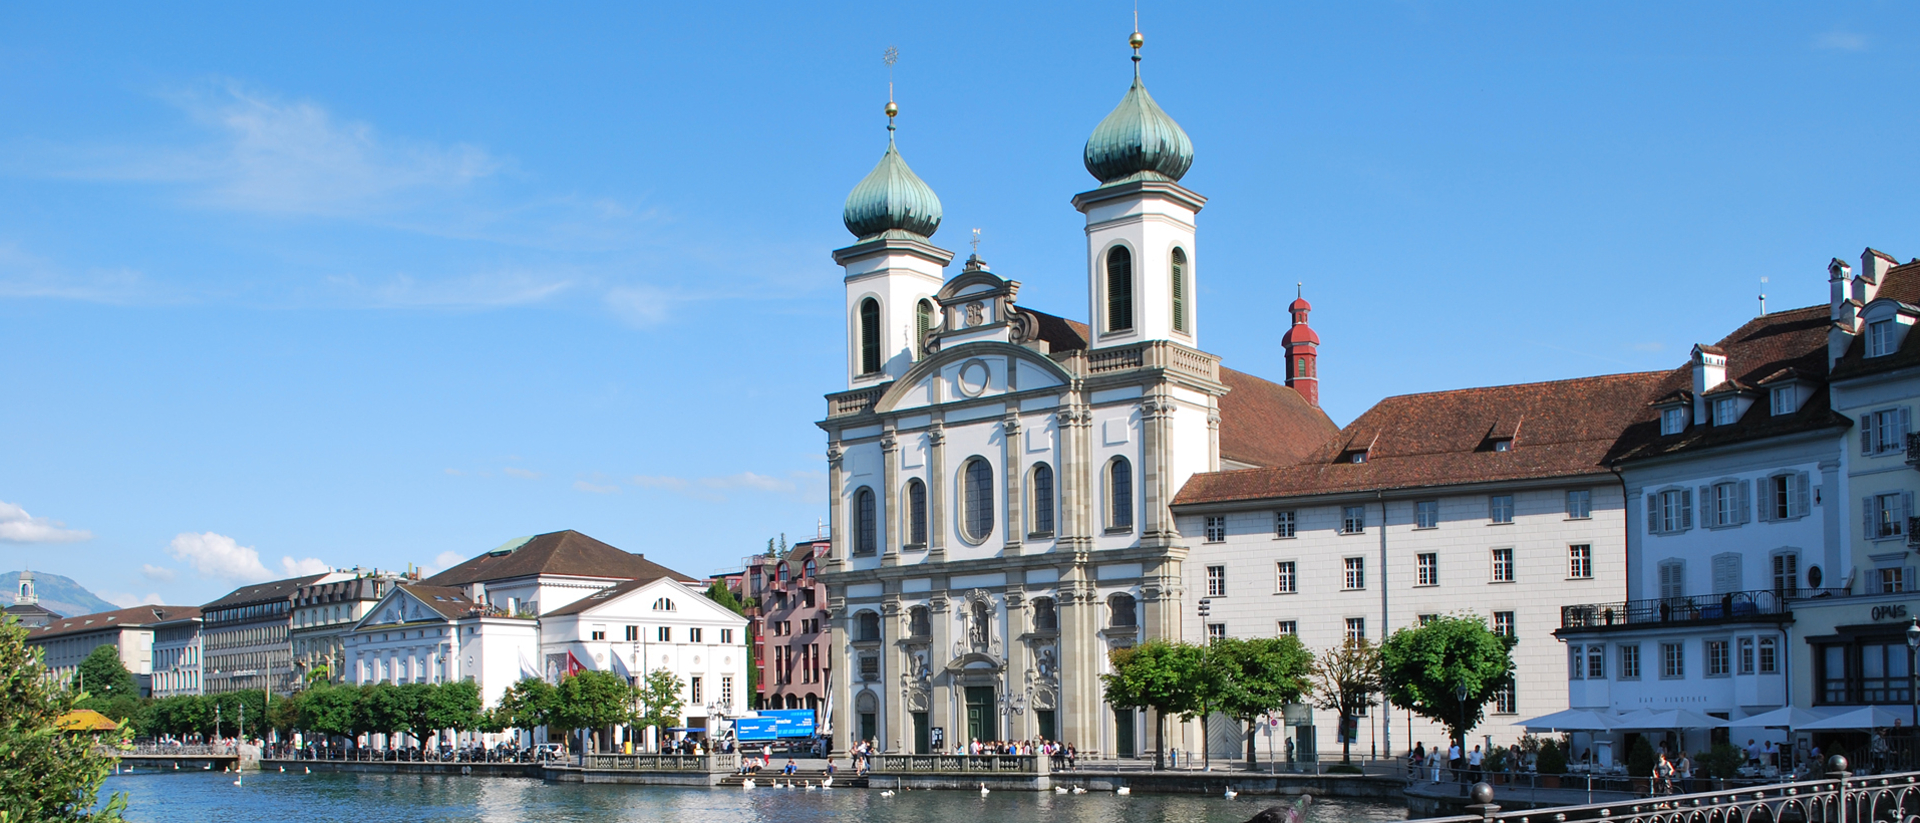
pixel 1000 477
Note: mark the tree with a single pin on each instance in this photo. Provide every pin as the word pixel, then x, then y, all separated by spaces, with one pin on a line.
pixel 283 714
pixel 382 708
pixel 455 706
pixel 328 710
pixel 249 706
pixel 1345 679
pixel 1155 675
pixel 1423 668
pixel 591 700
pixel 416 702
pixel 1251 677
pixel 47 774
pixel 104 677
pixel 660 703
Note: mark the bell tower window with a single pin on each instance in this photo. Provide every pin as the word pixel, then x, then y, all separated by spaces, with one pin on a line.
pixel 869 336
pixel 1179 290
pixel 1119 289
pixel 922 323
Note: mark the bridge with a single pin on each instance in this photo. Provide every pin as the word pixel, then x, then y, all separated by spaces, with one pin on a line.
pixel 159 757
pixel 1841 797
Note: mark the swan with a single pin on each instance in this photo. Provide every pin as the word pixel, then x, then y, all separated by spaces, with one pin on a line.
pixel 176 766
pixel 827 783
pixel 747 783
pixel 887 793
pixel 283 770
pixel 1059 790
pixel 309 770
pixel 1079 790
pixel 810 786
pixel 984 791
pixel 1124 790
pixel 1231 794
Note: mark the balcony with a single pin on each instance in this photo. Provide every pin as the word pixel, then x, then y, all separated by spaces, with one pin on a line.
pixel 1913 449
pixel 1750 606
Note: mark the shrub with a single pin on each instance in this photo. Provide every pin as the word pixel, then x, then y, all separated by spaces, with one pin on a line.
pixel 1552 759
pixel 1722 761
pixel 1344 768
pixel 1640 760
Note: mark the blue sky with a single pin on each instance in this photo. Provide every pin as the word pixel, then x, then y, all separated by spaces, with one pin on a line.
pixel 372 285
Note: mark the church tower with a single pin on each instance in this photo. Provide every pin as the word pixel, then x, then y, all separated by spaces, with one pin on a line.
pixel 893 270
pixel 1303 352
pixel 26 596
pixel 1140 224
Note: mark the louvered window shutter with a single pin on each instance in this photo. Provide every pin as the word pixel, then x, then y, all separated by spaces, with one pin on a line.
pixel 1898 442
pixel 1726 573
pixel 1686 509
pixel 1800 508
pixel 1746 502
pixel 1653 513
pixel 1906 511
pixel 1179 290
pixel 1707 515
pixel 1871 524
pixel 1866 433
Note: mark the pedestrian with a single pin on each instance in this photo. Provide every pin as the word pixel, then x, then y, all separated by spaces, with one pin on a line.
pixel 1456 763
pixel 1684 769
pixel 1473 764
pixel 1753 753
pixel 1415 759
pixel 1878 747
pixel 1662 775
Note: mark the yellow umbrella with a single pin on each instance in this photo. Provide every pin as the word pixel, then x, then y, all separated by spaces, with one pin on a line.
pixel 86 720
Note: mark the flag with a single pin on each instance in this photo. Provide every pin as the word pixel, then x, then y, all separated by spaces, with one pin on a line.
pixel 528 671
pixel 620 667
pixel 573 665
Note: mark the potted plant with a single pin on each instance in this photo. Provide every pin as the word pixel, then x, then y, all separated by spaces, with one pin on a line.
pixel 1496 766
pixel 1551 764
pixel 1640 766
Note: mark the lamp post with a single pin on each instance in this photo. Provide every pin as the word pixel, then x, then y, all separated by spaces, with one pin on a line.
pixel 1206 644
pixel 1461 694
pixel 1913 645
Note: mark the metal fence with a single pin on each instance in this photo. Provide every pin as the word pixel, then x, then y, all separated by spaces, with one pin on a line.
pixel 959 763
pixel 1841 798
pixel 704 763
pixel 164 750
pixel 1748 605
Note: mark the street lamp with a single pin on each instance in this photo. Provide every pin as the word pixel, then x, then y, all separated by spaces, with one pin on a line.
pixel 1913 644
pixel 1206 638
pixel 1461 693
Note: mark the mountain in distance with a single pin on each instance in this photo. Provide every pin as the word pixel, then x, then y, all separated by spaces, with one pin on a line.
pixel 58 594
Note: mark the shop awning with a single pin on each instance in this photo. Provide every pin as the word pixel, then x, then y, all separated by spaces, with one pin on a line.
pixel 1865 717
pixel 1787 717
pixel 1571 720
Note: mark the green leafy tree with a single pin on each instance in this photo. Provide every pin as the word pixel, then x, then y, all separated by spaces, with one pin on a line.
pixel 283 714
pixel 328 710
pixel 1345 680
pixel 234 708
pixel 1424 668
pixel 528 704
pixel 382 708
pixel 1253 676
pixel 1157 675
pixel 417 707
pixel 591 700
pixel 455 706
pixel 104 677
pixel 46 775
pixel 660 704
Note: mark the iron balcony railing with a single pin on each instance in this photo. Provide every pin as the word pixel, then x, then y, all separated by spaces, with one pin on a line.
pixel 1838 797
pixel 1913 449
pixel 1750 605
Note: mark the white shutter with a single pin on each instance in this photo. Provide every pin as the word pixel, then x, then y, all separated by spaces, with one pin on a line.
pixel 1866 433
pixel 1726 573
pixel 1907 580
pixel 1899 438
pixel 1906 511
pixel 1672 579
pixel 1708 513
pixel 1653 513
pixel 1766 499
pixel 1746 502
pixel 1799 498
pixel 1869 526
pixel 1686 509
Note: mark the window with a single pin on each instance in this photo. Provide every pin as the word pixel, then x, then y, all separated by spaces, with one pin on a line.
pixel 664 634
pixel 978 498
pixel 1717 663
pixel 1284 581
pixel 922 323
pixel 1045 617
pixel 1579 504
pixel 1179 266
pixel 1503 565
pixel 1042 499
pixel 1500 508
pixel 1428 567
pixel 1284 628
pixel 1503 624
pixel 866 525
pixel 1883 431
pixel 1353 519
pixel 1673 420
pixel 1630 661
pixel 1283 524
pixel 693 635
pixel 1726 411
pixel 1769 655
pixel 1576 662
pixel 599 634
pixel 1673 660
pixel 1504 444
pixel 1424 619
pixel 1216 581
pixel 1863 670
pixel 1670 511
pixel 869 336
pixel 726 636
pixel 1746 655
pixel 1120 494
pixel 1216 631
pixel 1597 661
pixel 867 627
pixel 1121 609
pixel 726 690
pixel 1356 628
pixel 1880 339
pixel 783 572
pixel 1357 457
pixel 1673 578
pixel 1119 289
pixel 1426 514
pixel 1786 496
pixel 633 633
pixel 1504 701
pixel 1216 529
pixel 1887 515
pixel 664 604
pixel 916 513
pixel 1580 561
pixel 810 575
pixel 1356 573
pixel 696 693
pixel 1785 399
pixel 1786 574
pixel 1893 580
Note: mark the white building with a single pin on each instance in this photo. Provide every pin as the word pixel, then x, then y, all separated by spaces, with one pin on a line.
pixel 176 656
pixel 67 641
pixel 436 634
pixel 529 576
pixel 1491 502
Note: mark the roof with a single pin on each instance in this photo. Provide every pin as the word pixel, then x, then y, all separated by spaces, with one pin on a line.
pixel 1560 428
pixel 1060 333
pixel 609 594
pixel 567 553
pixel 263 592
pixel 138 616
pixel 1263 423
pixel 1901 284
pixel 1761 349
pixel 451 603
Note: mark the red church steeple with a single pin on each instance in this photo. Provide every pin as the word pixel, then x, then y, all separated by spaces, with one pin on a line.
pixel 1303 370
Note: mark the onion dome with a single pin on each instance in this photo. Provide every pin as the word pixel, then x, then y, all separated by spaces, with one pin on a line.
pixel 892 197
pixel 1138 139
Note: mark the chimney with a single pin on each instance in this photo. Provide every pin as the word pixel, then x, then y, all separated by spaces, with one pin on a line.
pixel 1873 272
pixel 1841 311
pixel 1709 370
pixel 477 592
pixel 1303 352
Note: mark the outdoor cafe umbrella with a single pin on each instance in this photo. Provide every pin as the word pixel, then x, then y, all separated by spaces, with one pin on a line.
pixel 1785 717
pixel 1570 720
pixel 1865 717
pixel 1667 719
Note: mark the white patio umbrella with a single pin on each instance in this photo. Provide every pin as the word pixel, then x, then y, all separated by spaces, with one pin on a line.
pixel 1652 719
pixel 1786 717
pixel 1865 717
pixel 1570 720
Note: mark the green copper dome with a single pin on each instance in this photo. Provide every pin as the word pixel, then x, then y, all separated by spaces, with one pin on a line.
pixel 892 197
pixel 1138 139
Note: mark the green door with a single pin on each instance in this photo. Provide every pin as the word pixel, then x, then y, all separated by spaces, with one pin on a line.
pixel 1047 730
pixel 920 743
pixel 980 725
pixel 1123 733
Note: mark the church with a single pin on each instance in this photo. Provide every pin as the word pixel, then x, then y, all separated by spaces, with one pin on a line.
pixel 1001 477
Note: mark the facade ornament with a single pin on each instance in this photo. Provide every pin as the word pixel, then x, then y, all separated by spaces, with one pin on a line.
pixel 976 314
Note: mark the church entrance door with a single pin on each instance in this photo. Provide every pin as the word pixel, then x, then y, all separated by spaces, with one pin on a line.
pixel 980 725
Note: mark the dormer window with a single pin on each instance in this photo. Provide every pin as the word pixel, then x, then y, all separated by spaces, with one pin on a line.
pixel 1880 338
pixel 1785 399
pixel 1726 411
pixel 1357 457
pixel 1504 444
pixel 1673 420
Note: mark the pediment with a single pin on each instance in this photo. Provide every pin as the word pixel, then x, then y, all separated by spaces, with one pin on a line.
pixel 972 372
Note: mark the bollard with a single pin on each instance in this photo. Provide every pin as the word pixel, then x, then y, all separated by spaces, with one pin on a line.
pixel 1482 796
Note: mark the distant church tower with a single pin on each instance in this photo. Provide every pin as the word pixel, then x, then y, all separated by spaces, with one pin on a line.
pixel 26 596
pixel 1303 353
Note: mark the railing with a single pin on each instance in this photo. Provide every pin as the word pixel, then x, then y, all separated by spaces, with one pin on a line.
pixel 1913 449
pixel 164 750
pixel 960 763
pixel 1158 355
pixel 1750 605
pixel 1840 797
pixel 705 763
pixel 848 403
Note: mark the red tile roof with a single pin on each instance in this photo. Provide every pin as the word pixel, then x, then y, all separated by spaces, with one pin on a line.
pixel 1902 284
pixel 1263 423
pixel 567 553
pixel 136 616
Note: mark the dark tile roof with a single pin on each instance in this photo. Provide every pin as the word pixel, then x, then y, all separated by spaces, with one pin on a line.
pixel 1263 423
pixel 136 616
pixel 263 592
pixel 1759 350
pixel 1060 333
pixel 1560 428
pixel 1902 283
pixel 604 595
pixel 555 553
pixel 451 603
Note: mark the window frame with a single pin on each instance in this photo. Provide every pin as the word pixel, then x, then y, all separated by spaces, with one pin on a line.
pixel 1353 519
pixel 1505 567
pixel 1119 301
pixel 1286 577
pixel 915 501
pixel 1285 524
pixel 1356 629
pixel 1119 508
pixel 1217 581
pixel 976 499
pixel 1216 528
pixel 1783 400
pixel 1500 509
pixel 1579 561
pixel 866 514
pixel 1427 569
pixel 1673 660
pixel 1629 660
pixel 1426 514
pixel 1584 509
pixel 1354 574
pixel 1673 420
pixel 867 314
pixel 1718 654
pixel 1180 286
pixel 1042 500
pixel 1726 410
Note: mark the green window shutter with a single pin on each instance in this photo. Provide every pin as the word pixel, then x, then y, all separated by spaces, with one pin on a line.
pixel 1179 290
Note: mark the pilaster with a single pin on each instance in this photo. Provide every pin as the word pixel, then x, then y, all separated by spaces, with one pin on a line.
pixel 893 709
pixel 836 491
pixel 888 510
pixel 1019 662
pixel 1013 474
pixel 940 642
pixel 937 491
pixel 843 663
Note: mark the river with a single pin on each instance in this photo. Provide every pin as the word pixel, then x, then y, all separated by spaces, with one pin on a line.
pixel 375 798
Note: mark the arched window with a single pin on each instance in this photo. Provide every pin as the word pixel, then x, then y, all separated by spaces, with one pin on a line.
pixel 1120 494
pixel 1179 290
pixel 810 567
pixel 922 323
pixel 916 513
pixel 1042 498
pixel 865 523
pixel 1045 618
pixel 1121 612
pixel 664 604
pixel 919 621
pixel 867 627
pixel 1119 289
pixel 783 572
pixel 977 498
pixel 869 336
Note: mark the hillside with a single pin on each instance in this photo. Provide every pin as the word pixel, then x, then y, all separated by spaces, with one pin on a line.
pixel 59 594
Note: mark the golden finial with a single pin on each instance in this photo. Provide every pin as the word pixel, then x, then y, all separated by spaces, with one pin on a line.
pixel 890 56
pixel 1136 41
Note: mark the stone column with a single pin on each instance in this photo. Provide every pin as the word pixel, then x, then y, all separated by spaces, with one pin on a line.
pixel 937 490
pixel 844 665
pixel 939 651
pixel 1010 451
pixel 1070 530
pixel 1155 470
pixel 893 704
pixel 1019 661
pixel 884 504
pixel 836 489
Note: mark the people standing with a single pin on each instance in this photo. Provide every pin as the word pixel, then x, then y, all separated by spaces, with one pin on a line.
pixel 1456 763
pixel 1473 764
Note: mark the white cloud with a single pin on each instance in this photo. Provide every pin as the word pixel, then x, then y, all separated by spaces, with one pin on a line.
pixel 484 290
pixel 157 573
pixel 128 601
pixel 595 488
pixel 23 274
pixel 1838 40
pixel 524 474
pixel 221 557
pixel 809 485
pixel 748 480
pixel 648 481
pixel 454 472
pixel 640 306
pixel 1650 346
pixel 442 562
pixel 16 526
